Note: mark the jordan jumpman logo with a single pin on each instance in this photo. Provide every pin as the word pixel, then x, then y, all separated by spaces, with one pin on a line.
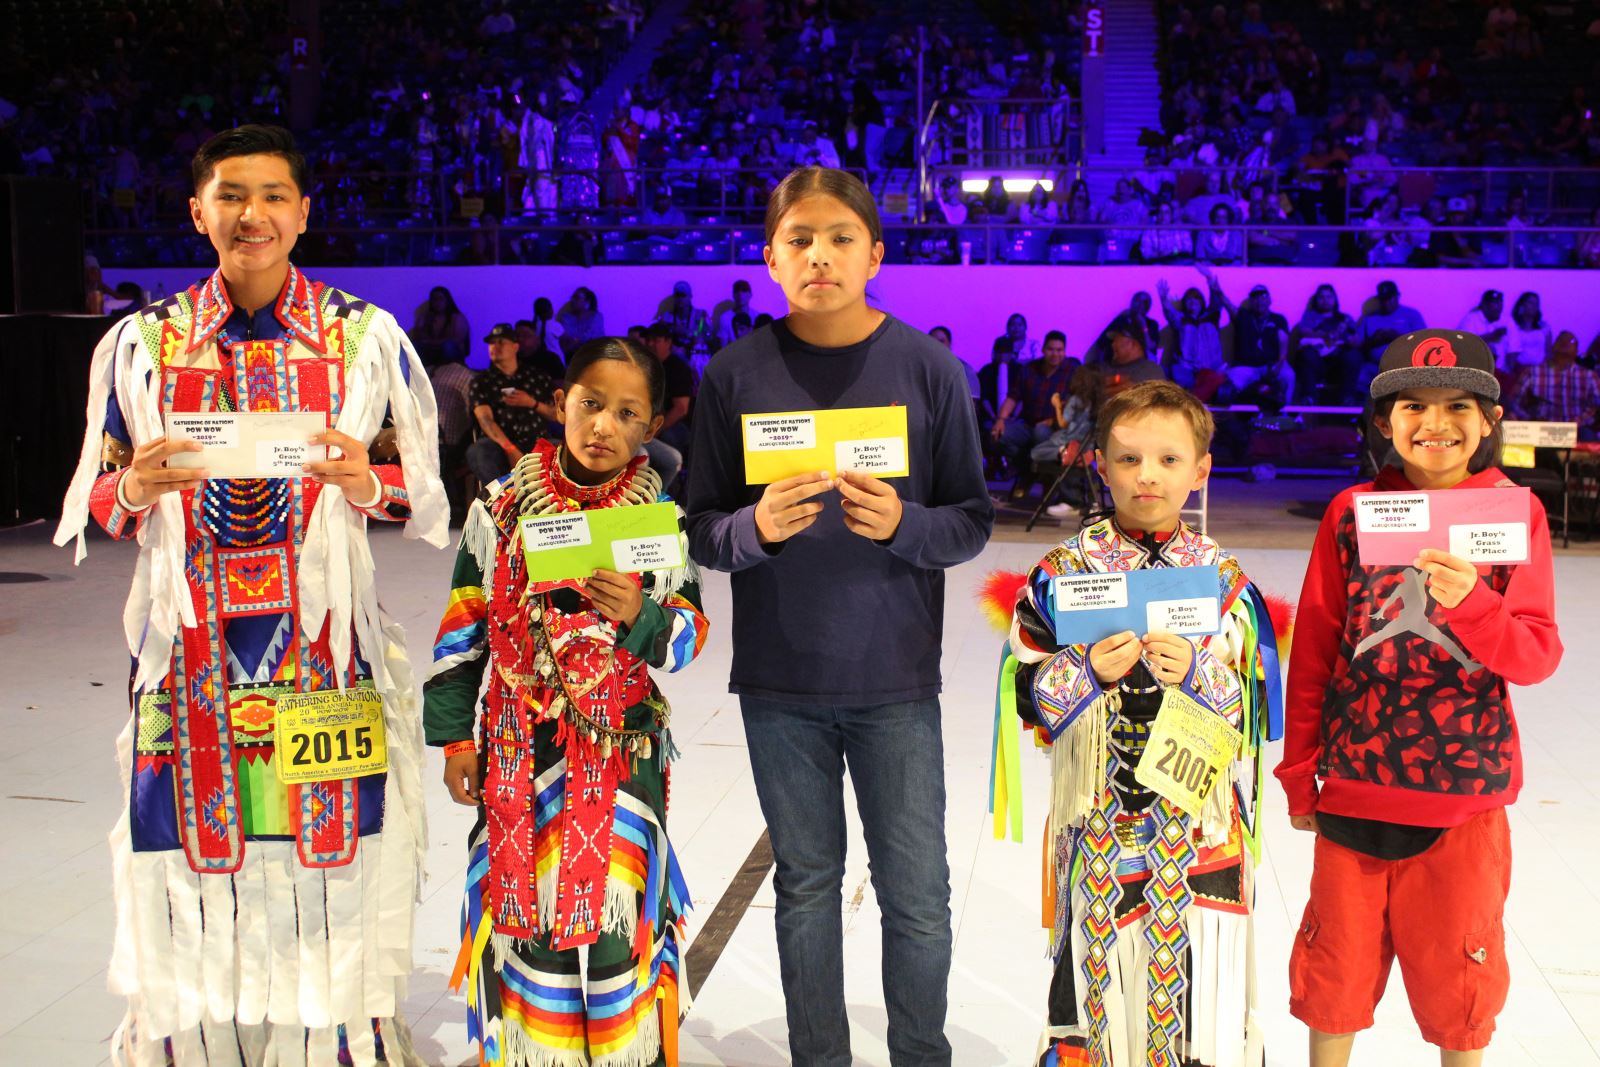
pixel 1412 596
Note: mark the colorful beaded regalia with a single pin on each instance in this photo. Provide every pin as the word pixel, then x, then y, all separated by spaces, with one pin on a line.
pixel 570 849
pixel 1149 904
pixel 260 921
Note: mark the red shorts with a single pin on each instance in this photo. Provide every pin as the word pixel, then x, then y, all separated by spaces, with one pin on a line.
pixel 1438 912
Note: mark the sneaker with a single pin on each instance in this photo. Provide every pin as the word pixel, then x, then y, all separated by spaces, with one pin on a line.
pixel 1060 511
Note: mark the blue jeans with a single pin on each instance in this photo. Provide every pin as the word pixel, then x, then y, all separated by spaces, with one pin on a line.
pixel 895 753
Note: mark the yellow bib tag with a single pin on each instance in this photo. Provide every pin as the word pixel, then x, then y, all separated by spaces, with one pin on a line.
pixel 1188 753
pixel 330 734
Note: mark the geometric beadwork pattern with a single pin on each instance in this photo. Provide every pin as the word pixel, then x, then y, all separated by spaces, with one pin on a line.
pixel 255 581
pixel 155 723
pixel 1170 855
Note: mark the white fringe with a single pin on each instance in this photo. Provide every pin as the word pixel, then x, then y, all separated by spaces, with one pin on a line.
pixel 519 1049
pixel 1078 762
pixel 479 535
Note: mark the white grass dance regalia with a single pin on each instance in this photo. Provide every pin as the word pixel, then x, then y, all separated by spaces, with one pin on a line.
pixel 258 921
pixel 1149 905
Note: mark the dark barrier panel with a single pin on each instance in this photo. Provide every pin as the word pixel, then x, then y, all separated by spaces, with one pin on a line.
pixel 44 385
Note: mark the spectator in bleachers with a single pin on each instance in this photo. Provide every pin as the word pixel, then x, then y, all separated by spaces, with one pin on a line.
pixel 1124 208
pixel 1220 246
pixel 512 403
pixel 1039 209
pixel 723 314
pixel 1387 240
pixel 1589 240
pixel 1319 348
pixel 1078 206
pixel 1195 359
pixel 1387 320
pixel 1028 399
pixel 996 201
pixel 1484 320
pixel 667 457
pixel 663 213
pixel 1260 371
pixel 531 350
pixel 439 329
pixel 1135 321
pixel 1168 245
pixel 813 149
pixel 943 335
pixel 1528 341
pixel 691 326
pixel 1130 364
pixel 1202 207
pixel 1016 343
pixel 580 320
pixel 1371 173
pixel 1449 247
pixel 548 327
pixel 1558 390
pixel 1072 421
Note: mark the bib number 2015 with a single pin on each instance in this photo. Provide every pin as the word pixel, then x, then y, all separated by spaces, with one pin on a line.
pixel 330 735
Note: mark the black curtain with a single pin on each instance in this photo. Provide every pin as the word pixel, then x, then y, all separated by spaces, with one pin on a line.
pixel 44 385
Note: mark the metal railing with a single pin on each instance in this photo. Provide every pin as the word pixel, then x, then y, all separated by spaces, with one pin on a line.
pixel 614 242
pixel 1554 192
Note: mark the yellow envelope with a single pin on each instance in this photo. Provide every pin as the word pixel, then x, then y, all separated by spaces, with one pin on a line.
pixel 782 444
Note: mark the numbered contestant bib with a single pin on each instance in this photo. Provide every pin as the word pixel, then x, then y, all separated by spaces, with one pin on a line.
pixel 330 735
pixel 1188 753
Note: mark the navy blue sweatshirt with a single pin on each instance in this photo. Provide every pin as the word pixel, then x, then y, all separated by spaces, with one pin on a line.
pixel 829 616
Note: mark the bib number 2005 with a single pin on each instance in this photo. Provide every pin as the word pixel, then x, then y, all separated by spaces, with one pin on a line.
pixel 1189 750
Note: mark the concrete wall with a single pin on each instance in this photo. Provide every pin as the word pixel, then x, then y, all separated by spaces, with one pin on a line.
pixel 973 301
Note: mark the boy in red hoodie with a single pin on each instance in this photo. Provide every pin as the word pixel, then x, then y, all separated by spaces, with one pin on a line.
pixel 1397 701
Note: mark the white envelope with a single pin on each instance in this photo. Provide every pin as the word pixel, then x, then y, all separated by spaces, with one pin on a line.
pixel 248 444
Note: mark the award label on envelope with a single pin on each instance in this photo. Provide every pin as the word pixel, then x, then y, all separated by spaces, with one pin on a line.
pixel 1180 600
pixel 643 537
pixel 248 444
pixel 1479 525
pixel 783 444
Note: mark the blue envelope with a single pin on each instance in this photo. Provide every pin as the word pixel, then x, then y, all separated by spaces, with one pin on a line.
pixel 1180 600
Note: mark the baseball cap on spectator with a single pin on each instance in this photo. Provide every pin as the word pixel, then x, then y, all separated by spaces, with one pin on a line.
pixel 681 288
pixel 502 332
pixel 1387 288
pixel 1437 359
pixel 1456 204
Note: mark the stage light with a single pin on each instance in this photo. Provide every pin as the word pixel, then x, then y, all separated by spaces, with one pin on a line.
pixel 1012 185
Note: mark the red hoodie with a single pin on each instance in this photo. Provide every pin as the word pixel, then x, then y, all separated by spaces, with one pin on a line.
pixel 1398 704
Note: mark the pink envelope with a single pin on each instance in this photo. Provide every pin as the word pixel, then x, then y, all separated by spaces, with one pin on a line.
pixel 1480 525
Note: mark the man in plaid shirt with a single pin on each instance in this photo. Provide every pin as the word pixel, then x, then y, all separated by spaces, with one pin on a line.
pixel 1558 390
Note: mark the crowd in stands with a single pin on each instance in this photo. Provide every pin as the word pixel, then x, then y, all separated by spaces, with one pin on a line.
pixel 1274 116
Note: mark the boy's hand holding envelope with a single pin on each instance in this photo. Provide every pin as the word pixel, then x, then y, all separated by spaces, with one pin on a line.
pixel 149 477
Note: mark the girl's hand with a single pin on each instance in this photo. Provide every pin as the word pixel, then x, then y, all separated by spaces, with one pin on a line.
pixel 872 508
pixel 1304 822
pixel 461 778
pixel 1450 578
pixel 148 477
pixel 1169 656
pixel 617 596
pixel 1112 658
